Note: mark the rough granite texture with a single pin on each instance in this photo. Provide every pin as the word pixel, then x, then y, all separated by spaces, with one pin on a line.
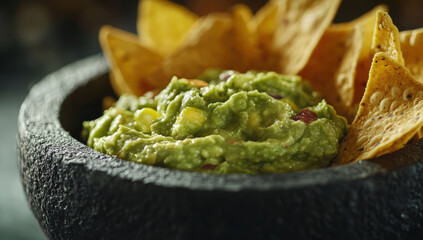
pixel 78 193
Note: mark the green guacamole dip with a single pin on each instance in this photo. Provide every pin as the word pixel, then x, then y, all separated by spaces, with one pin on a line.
pixel 227 122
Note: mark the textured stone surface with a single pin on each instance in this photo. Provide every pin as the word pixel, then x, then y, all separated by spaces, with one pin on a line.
pixel 16 219
pixel 78 193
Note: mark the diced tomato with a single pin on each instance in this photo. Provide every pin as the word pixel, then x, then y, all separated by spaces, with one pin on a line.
pixel 305 115
pixel 208 166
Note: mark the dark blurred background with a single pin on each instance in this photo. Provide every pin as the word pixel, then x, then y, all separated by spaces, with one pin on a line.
pixel 38 37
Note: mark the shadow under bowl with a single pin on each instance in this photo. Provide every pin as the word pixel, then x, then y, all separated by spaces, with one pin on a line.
pixel 78 193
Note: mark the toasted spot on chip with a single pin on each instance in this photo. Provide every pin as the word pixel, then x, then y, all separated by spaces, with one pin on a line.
pixel 362 140
pixel 395 92
pixel 408 94
pixel 373 141
pixel 384 105
pixel 130 62
pixel 387 127
pixel 394 104
pixel 367 124
pixel 385 74
pixel 162 25
pixel 376 97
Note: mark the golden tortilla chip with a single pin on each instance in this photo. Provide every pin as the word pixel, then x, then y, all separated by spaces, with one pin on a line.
pixel 345 76
pixel 385 39
pixel 331 67
pixel 264 25
pixel 129 61
pixel 412 51
pixel 210 44
pixel 367 23
pixel 162 25
pixel 390 112
pixel 299 26
pixel 242 18
pixel 399 143
pixel 418 135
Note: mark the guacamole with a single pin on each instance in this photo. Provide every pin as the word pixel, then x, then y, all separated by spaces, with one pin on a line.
pixel 223 122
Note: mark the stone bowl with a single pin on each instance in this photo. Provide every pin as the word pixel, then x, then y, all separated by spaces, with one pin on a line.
pixel 78 193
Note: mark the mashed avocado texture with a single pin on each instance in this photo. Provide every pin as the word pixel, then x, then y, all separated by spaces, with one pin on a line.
pixel 227 122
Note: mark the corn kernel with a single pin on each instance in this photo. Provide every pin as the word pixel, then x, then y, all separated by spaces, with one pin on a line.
pixel 197 83
pixel 188 122
pixel 192 115
pixel 253 120
pixel 145 117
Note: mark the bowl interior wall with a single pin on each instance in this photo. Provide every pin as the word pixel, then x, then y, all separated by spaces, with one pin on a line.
pixel 83 104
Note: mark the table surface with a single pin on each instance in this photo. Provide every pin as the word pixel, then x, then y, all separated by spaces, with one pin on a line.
pixel 16 218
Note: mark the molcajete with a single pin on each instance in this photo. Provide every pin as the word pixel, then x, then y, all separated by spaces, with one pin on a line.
pixel 78 193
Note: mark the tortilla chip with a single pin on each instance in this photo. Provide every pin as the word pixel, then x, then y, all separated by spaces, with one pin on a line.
pixel 399 143
pixel 331 67
pixel 129 61
pixel 345 76
pixel 390 112
pixel 210 44
pixel 385 39
pixel 264 25
pixel 162 25
pixel 244 34
pixel 300 25
pixel 367 24
pixel 412 51
pixel 418 135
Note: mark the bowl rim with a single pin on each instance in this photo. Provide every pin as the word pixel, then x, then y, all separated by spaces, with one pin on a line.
pixel 40 112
